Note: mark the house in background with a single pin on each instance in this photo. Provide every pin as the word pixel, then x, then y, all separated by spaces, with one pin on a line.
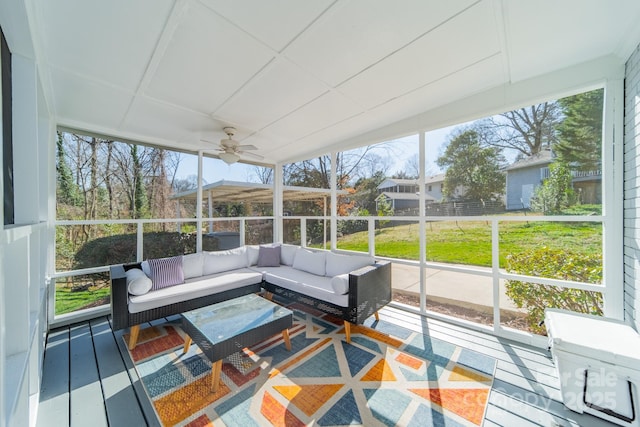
pixel 525 175
pixel 434 185
pixel 401 194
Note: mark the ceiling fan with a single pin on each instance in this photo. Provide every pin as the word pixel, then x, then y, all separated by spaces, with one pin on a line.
pixel 231 150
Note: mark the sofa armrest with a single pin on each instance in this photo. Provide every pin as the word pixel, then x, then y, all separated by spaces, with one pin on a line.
pixel 120 295
pixel 369 290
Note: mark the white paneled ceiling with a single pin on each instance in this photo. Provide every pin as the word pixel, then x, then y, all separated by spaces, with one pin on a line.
pixel 296 77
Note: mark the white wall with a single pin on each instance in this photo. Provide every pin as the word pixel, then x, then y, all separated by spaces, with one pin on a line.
pixel 632 190
pixel 26 246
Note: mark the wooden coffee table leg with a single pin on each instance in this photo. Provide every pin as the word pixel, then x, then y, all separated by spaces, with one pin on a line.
pixel 133 338
pixel 347 331
pixel 187 344
pixel 287 341
pixel 216 368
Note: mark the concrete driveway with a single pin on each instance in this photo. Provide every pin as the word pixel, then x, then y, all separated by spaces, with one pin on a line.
pixel 463 289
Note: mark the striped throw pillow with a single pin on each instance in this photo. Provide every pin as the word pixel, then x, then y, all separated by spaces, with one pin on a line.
pixel 166 272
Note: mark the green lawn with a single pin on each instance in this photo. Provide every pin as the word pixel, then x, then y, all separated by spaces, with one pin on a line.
pixel 469 242
pixel 68 301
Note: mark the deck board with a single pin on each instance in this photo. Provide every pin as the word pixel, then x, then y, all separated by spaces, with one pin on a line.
pixel 54 389
pixel 86 401
pixel 121 400
pixel 525 390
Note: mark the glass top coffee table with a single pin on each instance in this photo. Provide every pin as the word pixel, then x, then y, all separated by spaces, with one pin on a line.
pixel 227 327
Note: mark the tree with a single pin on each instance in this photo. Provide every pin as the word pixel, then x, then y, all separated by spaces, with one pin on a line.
pixel 263 174
pixel 471 168
pixel 580 133
pixel 67 189
pixel 526 130
pixel 384 209
pixel 139 196
pixel 367 191
pixel 556 192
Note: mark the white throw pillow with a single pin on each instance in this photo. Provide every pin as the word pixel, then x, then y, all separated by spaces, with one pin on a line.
pixel 311 262
pixel 340 283
pixel 288 254
pixel 145 267
pixel 219 261
pixel 192 265
pixel 138 283
pixel 341 264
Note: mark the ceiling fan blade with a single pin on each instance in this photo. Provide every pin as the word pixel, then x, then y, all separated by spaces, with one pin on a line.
pixel 247 154
pixel 247 147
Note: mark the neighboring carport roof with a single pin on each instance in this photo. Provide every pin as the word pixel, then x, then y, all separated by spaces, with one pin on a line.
pixel 235 191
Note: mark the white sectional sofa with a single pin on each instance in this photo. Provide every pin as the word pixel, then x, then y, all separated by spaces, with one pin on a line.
pixel 351 287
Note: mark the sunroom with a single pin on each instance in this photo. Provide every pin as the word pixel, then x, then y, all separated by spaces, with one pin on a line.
pixel 325 100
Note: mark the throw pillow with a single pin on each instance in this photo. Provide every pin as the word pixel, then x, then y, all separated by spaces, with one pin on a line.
pixel 137 282
pixel 340 284
pixel 269 256
pixel 341 264
pixel 166 272
pixel 311 262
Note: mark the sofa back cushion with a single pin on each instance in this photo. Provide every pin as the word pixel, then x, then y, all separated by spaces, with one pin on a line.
pixel 192 265
pixel 138 283
pixel 219 261
pixel 311 262
pixel 342 264
pixel 288 254
pixel 252 254
pixel 166 272
pixel 269 256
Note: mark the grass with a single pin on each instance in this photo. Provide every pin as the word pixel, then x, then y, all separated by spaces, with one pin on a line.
pixel 469 242
pixel 69 299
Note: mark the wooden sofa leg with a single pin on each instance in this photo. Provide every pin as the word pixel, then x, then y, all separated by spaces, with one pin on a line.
pixel 377 316
pixel 347 331
pixel 133 338
pixel 268 295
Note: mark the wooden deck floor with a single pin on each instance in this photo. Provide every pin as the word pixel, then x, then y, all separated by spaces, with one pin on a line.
pixel 88 381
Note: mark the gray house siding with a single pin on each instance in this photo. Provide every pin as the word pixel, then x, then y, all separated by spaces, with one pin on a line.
pixel 632 190
pixel 520 186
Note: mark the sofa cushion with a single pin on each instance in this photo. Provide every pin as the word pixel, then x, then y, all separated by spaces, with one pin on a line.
pixel 252 255
pixel 192 265
pixel 311 262
pixel 219 261
pixel 309 284
pixel 340 283
pixel 269 256
pixel 341 264
pixel 194 288
pixel 288 254
pixel 166 272
pixel 138 283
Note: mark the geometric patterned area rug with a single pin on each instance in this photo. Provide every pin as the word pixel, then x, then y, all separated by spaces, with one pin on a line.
pixel 388 375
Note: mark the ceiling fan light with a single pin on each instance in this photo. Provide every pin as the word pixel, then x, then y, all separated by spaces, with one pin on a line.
pixel 229 158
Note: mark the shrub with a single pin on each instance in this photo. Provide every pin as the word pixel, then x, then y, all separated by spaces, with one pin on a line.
pixel 556 264
pixel 122 248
